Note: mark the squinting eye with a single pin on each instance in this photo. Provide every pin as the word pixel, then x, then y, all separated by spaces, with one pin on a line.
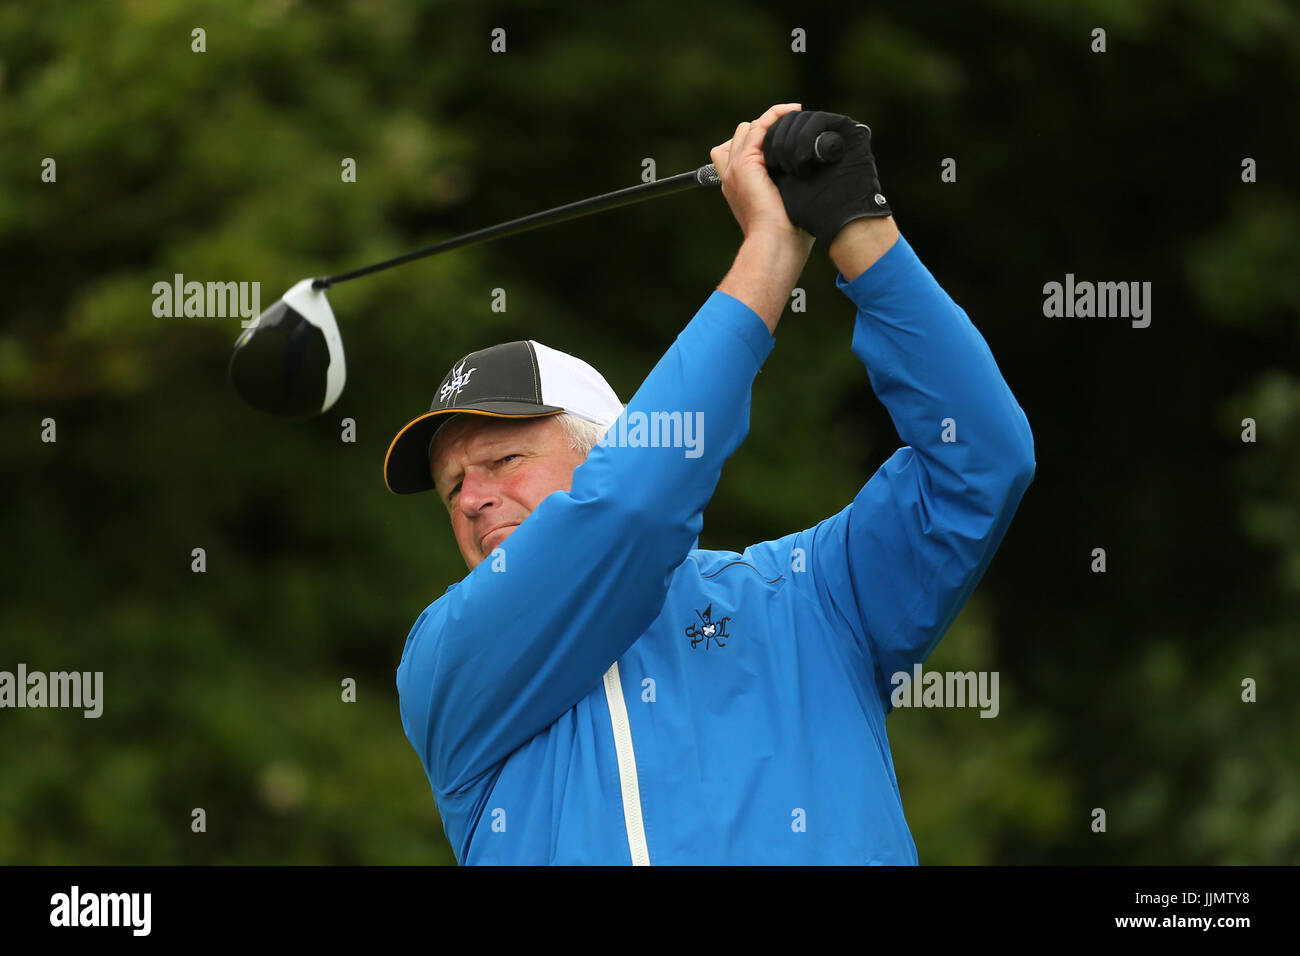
pixel 452 494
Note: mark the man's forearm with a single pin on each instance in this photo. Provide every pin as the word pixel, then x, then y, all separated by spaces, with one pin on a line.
pixel 767 266
pixel 765 272
pixel 859 244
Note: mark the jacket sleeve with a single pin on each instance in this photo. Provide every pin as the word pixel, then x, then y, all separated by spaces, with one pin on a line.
pixel 897 565
pixel 529 632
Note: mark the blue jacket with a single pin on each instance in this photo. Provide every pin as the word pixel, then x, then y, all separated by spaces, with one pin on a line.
pixel 607 693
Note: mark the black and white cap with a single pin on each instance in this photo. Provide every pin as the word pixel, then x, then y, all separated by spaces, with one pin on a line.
pixel 514 380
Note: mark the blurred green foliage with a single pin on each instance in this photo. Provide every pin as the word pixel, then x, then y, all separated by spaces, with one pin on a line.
pixel 222 689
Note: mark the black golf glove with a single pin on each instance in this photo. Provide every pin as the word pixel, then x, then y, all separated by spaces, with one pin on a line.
pixel 823 199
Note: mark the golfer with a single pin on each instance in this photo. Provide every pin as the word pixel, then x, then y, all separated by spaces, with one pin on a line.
pixel 597 689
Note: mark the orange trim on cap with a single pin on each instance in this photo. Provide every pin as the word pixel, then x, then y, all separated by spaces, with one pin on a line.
pixel 451 411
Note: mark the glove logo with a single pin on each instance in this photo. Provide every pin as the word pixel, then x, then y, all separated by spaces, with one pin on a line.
pixel 708 630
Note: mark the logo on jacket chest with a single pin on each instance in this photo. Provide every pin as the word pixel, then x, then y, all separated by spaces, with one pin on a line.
pixel 707 630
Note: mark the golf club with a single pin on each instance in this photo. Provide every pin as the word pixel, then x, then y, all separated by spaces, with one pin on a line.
pixel 289 361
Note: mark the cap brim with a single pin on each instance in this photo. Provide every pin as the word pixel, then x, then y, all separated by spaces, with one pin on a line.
pixel 406 465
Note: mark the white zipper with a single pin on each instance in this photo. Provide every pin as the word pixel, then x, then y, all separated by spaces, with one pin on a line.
pixel 626 768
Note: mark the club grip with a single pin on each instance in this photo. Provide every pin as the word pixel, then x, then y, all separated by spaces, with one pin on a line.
pixel 827 149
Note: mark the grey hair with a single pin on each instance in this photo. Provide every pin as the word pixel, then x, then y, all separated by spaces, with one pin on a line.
pixel 583 434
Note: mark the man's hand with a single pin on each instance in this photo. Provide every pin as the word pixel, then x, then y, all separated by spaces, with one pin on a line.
pixel 753 197
pixel 775 250
pixel 824 199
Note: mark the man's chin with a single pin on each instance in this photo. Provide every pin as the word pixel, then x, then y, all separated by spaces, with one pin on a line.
pixel 493 540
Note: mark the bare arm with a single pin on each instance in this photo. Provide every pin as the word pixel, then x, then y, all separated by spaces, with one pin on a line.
pixel 764 274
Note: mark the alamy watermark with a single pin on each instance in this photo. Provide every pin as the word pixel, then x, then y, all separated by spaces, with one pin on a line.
pixel 1084 300
pixel 658 430
pixel 74 689
pixel 77 909
pixel 211 300
pixel 946 689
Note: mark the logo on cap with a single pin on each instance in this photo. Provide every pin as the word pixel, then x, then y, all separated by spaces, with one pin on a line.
pixel 458 380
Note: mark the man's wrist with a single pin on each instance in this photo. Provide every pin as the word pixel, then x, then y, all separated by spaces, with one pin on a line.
pixel 858 246
pixel 767 266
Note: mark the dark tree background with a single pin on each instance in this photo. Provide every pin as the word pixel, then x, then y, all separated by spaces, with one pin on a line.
pixel 1120 690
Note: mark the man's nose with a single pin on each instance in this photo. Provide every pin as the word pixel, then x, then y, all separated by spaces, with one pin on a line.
pixel 478 491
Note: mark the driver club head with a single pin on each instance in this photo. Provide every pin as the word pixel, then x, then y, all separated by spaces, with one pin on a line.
pixel 289 362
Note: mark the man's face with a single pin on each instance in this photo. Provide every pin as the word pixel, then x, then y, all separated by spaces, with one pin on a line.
pixel 491 473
